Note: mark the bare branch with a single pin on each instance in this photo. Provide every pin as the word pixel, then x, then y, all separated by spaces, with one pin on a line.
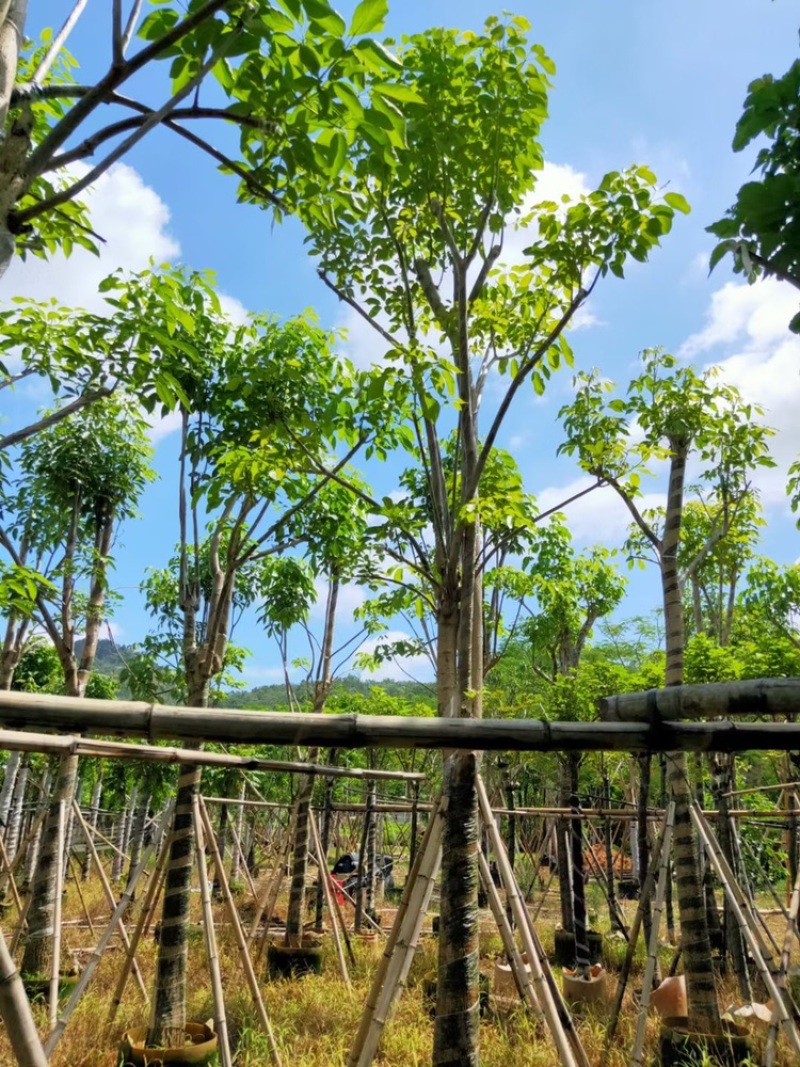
pixel 362 311
pixel 56 45
pixel 130 26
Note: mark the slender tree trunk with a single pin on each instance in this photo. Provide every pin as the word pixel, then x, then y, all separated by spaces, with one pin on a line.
pixel 701 989
pixel 222 835
pixel 578 881
pixel 325 840
pixel 371 858
pixel 137 837
pixel 32 858
pixel 119 842
pixel 644 761
pixel 563 851
pixel 297 891
pixel 7 792
pixel 38 944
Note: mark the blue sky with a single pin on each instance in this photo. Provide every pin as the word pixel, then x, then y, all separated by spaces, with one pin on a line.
pixel 637 81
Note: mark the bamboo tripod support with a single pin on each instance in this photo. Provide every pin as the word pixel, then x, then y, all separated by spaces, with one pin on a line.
pixel 742 911
pixel 57 907
pixel 107 892
pixel 646 890
pixel 652 948
pixel 518 968
pixel 209 930
pixel 15 1011
pixel 399 952
pixel 58 1029
pixel 557 1017
pixel 241 943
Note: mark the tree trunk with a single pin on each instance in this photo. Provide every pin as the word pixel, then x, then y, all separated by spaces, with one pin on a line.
pixel 644 761
pixel 7 792
pixel 297 892
pixel 578 881
pixel 137 838
pixel 325 841
pixel 734 943
pixel 32 858
pixel 222 835
pixel 38 943
pixel 701 990
pixel 119 843
pixel 371 857
pixel 93 816
pixel 457 1009
pixel 236 858
pixel 563 851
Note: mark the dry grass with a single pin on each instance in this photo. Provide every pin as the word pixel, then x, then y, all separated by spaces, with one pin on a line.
pixel 315 1018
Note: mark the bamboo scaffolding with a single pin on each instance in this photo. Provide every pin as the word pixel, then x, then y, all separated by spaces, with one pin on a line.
pixel 57 904
pixel 158 722
pixel 77 881
pixel 518 967
pixel 8 870
pixel 57 1030
pixel 324 876
pixel 109 895
pixel 544 992
pixel 398 955
pixel 652 948
pixel 211 937
pixel 742 912
pixel 241 944
pixel 148 907
pixel 15 1011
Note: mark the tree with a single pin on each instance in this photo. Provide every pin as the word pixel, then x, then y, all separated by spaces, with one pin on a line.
pixel 669 413
pixel 762 229
pixel 290 76
pixel 416 250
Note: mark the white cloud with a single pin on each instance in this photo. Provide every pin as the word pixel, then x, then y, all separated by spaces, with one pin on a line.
pixel 747 328
pixel 162 426
pixel 133 220
pixel 599 517
pixel 400 667
pixel 553 181
pixel 264 674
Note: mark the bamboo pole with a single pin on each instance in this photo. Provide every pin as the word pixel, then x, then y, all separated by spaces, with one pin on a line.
pixel 518 968
pixel 237 844
pixel 326 888
pixel 543 991
pixel 244 956
pixel 652 948
pixel 109 895
pixel 398 955
pixel 148 906
pixel 763 696
pixel 741 909
pixel 211 938
pixel 646 889
pixel 8 870
pixel 81 897
pixel 58 1028
pixel 154 721
pixel 55 973
pixel 15 1011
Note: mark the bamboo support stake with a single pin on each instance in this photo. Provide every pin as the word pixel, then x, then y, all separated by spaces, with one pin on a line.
pixel 8 869
pixel 109 895
pixel 652 948
pixel 273 888
pixel 326 888
pixel 237 844
pixel 543 991
pixel 646 889
pixel 518 968
pixel 15 1011
pixel 58 1029
pixel 81 897
pixel 148 907
pixel 398 956
pixel 55 973
pixel 741 910
pixel 244 956
pixel 211 938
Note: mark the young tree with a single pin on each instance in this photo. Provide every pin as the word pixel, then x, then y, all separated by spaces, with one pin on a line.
pixel 417 252
pixel 668 414
pixel 79 479
pixel 288 76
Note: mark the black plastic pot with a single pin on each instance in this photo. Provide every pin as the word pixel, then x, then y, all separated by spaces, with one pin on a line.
pixel 678 1047
pixel 628 888
pixel 564 951
pixel 285 962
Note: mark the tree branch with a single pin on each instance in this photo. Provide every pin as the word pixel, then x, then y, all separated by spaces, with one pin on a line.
pixel 354 304
pixel 56 416
pixel 56 45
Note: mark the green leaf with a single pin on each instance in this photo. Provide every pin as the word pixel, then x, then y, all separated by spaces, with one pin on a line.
pixel 678 202
pixel 368 17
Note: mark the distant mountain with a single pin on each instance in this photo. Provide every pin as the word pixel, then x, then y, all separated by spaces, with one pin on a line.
pixel 274 696
pixel 111 656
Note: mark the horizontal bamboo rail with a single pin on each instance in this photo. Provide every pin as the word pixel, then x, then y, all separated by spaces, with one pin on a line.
pixel 23 741
pixel 762 696
pixel 157 722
